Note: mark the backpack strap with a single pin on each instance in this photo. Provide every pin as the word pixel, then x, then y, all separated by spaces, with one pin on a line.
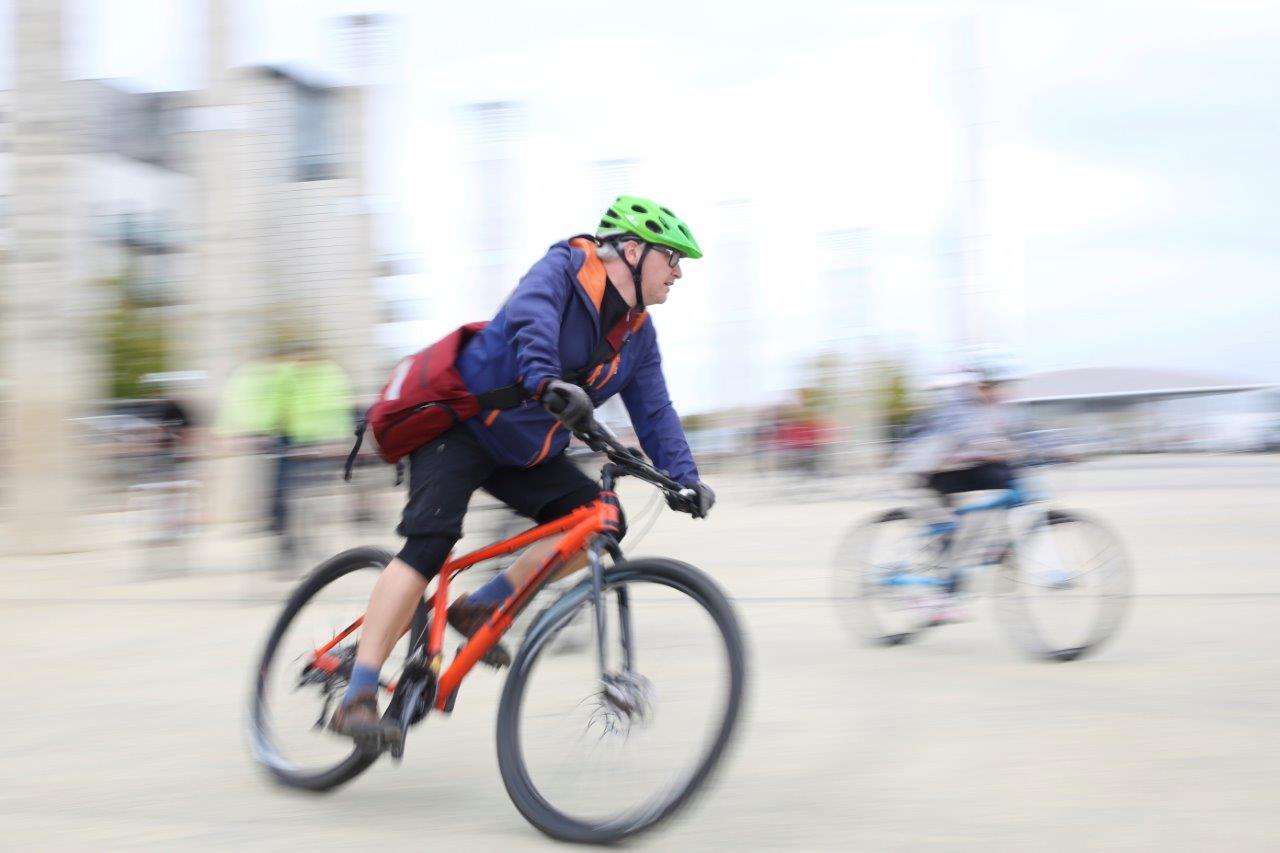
pixel 510 396
pixel 355 453
pixel 355 448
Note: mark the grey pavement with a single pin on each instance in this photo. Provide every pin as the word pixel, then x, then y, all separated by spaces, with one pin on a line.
pixel 123 725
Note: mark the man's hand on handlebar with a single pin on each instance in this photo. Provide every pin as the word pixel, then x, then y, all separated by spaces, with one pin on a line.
pixel 696 500
pixel 568 403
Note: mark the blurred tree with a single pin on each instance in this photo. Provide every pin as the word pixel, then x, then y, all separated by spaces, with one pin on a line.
pixel 895 403
pixel 134 337
pixel 828 383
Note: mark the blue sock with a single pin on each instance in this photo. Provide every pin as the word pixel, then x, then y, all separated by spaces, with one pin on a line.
pixel 363 679
pixel 494 592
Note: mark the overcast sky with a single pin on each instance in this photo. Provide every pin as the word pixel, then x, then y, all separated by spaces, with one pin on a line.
pixel 1127 159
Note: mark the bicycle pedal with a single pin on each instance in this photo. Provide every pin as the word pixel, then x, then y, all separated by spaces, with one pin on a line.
pixel 376 743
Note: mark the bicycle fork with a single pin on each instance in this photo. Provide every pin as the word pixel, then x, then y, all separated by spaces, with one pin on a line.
pixel 624 693
pixel 595 561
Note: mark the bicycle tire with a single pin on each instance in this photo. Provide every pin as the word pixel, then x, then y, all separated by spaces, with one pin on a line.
pixel 264 750
pixel 1016 612
pixel 852 596
pixel 677 576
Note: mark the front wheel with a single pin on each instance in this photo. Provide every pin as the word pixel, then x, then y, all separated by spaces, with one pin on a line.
pixel 1064 587
pixel 595 759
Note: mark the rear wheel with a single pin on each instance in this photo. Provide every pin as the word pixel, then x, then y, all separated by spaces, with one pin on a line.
pixel 888 573
pixel 293 699
pixel 592 759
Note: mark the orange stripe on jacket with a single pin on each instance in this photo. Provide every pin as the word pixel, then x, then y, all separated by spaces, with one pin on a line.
pixel 591 276
pixel 546 445
pixel 613 368
pixel 493 416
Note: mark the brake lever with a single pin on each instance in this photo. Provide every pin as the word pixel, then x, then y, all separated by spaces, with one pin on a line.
pixel 682 500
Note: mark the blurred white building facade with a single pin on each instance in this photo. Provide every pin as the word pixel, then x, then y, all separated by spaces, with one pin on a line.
pixel 240 207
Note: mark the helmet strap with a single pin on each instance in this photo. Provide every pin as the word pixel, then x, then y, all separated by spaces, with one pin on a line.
pixel 635 270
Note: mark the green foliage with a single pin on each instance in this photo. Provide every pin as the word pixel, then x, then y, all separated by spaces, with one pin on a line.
pixel 134 339
pixel 828 381
pixel 894 402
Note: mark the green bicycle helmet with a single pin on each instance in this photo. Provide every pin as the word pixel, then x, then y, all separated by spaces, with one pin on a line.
pixel 650 222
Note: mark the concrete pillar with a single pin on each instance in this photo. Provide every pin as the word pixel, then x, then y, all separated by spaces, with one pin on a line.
pixel 356 299
pixel 227 317
pixel 48 334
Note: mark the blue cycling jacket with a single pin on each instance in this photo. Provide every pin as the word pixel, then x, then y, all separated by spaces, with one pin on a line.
pixel 550 327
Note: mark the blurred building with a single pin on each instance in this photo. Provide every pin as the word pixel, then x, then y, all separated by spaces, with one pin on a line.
pixel 286 252
pixel 6 243
pixel 286 234
pixel 133 189
pixel 238 210
pixel 48 362
pixel 1140 410
pixel 6 165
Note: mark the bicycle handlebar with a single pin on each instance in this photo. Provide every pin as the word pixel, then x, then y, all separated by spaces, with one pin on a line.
pixel 601 439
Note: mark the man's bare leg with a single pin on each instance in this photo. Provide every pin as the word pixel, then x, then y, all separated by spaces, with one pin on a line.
pixel 391 604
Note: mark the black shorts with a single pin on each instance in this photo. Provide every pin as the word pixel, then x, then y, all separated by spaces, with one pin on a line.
pixel 446 472
pixel 980 478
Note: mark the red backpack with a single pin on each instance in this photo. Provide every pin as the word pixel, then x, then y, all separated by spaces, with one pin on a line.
pixel 426 397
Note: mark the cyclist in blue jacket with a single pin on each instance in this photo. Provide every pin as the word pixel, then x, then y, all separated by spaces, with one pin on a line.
pixel 584 306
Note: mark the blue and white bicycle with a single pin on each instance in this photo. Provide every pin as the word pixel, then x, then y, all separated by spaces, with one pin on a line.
pixel 1061 581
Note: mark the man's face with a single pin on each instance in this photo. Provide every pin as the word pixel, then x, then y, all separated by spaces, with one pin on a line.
pixel 660 270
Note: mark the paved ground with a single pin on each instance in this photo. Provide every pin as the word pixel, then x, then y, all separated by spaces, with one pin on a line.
pixel 124 714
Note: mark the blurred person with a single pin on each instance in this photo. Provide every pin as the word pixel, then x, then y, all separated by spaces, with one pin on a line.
pixel 175 439
pixel 797 438
pixel 762 435
pixel 164 494
pixel 968 442
pixel 586 302
pixel 300 406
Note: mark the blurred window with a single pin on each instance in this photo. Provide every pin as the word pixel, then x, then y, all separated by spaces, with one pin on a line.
pixel 317 151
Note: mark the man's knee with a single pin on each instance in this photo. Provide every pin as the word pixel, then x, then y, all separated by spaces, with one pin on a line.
pixel 426 554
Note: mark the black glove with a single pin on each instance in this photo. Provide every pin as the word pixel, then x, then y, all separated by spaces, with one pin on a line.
pixel 698 504
pixel 569 403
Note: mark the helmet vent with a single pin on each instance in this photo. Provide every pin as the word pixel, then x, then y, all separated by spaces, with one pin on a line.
pixel 639 208
pixel 653 226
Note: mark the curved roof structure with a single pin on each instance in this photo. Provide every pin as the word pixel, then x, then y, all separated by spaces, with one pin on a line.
pixel 1136 384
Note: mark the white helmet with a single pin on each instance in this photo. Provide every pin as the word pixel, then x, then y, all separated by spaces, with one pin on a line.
pixel 990 365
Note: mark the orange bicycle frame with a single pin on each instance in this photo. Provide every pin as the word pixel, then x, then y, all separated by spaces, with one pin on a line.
pixel 600 516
